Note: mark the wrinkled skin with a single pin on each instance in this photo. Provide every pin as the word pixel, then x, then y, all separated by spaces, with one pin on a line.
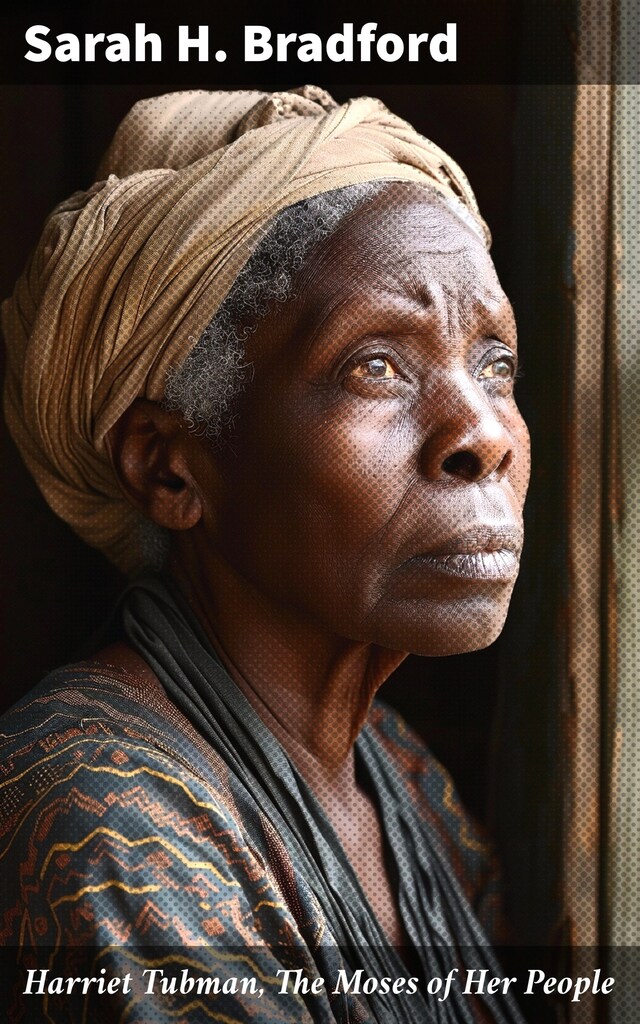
pixel 368 502
pixel 337 478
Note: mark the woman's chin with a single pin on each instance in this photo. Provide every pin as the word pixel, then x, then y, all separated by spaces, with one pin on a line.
pixel 446 646
pixel 444 629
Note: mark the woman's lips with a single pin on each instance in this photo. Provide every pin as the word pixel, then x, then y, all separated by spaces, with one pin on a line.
pixel 477 553
pixel 500 565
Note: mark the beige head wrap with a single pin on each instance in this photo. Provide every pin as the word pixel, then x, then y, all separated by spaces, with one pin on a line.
pixel 128 274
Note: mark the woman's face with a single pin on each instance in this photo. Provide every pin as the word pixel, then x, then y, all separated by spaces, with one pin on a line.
pixel 375 479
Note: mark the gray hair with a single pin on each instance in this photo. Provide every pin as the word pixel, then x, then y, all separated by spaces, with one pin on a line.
pixel 214 373
pixel 203 389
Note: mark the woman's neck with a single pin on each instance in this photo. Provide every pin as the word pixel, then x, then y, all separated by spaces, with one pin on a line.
pixel 315 689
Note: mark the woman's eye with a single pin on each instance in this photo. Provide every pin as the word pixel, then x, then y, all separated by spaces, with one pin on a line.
pixel 376 368
pixel 500 369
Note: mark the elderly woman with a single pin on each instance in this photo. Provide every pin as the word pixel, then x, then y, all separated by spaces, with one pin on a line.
pixel 268 355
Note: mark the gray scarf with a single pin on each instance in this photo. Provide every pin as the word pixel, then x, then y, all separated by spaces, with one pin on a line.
pixel 435 912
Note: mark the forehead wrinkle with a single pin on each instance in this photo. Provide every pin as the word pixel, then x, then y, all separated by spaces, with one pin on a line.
pixel 404 259
pixel 412 274
pixel 468 313
pixel 461 297
pixel 381 293
pixel 446 275
pixel 445 288
pixel 454 308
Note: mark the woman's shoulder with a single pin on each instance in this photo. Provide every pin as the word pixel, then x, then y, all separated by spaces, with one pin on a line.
pixel 119 837
pixel 116 821
pixel 82 712
pixel 103 726
pixel 110 699
pixel 71 698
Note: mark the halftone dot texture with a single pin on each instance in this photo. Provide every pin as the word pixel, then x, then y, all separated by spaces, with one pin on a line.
pixel 140 844
pixel 623 882
pixel 343 479
pixel 157 251
pixel 129 273
pixel 602 880
pixel 586 513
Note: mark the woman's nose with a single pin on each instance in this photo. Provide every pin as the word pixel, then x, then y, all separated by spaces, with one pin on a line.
pixel 470 442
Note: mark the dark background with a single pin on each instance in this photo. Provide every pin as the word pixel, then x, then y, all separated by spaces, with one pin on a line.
pixel 495 718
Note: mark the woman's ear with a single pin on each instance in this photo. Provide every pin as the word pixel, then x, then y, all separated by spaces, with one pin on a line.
pixel 151 451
